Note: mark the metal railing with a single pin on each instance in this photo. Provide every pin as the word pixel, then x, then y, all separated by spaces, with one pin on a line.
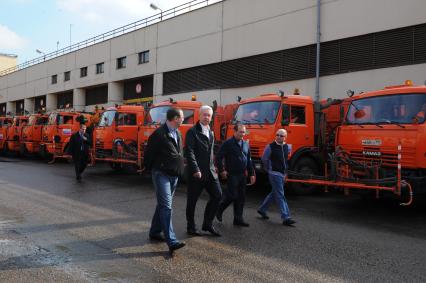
pixel 154 19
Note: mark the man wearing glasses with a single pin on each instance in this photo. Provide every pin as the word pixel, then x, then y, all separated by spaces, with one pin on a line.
pixel 275 161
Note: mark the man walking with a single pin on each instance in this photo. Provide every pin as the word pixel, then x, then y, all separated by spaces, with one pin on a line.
pixel 78 148
pixel 235 153
pixel 164 157
pixel 201 173
pixel 274 160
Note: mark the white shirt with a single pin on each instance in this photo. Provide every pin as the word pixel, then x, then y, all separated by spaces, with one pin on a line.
pixel 205 130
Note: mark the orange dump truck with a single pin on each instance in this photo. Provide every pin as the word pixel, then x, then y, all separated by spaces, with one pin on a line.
pixel 116 135
pixel 57 133
pixel 14 134
pixel 32 134
pixel 156 116
pixel 384 130
pixel 265 114
pixel 5 123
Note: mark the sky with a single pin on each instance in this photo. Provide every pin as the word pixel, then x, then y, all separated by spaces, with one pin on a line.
pixel 27 25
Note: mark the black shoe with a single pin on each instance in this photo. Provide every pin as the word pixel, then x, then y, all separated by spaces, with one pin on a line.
pixel 193 232
pixel 212 230
pixel 78 178
pixel 289 222
pixel 158 238
pixel 263 215
pixel 219 216
pixel 176 246
pixel 241 223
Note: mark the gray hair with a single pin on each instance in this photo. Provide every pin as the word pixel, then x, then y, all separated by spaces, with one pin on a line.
pixel 205 108
pixel 283 131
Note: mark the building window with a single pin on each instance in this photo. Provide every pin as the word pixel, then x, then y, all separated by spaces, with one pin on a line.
pixel 143 57
pixel 100 68
pixel 121 63
pixel 54 79
pixel 67 76
pixel 83 72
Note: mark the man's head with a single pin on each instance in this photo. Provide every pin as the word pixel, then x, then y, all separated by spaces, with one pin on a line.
pixel 254 114
pixel 281 136
pixel 83 128
pixel 239 131
pixel 206 114
pixel 174 117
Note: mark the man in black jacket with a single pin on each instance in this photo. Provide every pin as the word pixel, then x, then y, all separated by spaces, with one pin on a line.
pixel 235 153
pixel 164 157
pixel 78 147
pixel 201 172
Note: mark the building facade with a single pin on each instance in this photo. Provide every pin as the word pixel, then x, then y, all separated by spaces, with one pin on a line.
pixel 7 61
pixel 235 48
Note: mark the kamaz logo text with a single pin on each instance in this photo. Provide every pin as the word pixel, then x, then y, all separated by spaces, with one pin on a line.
pixel 372 153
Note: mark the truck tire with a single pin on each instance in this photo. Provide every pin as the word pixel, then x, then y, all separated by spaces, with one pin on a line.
pixel 305 166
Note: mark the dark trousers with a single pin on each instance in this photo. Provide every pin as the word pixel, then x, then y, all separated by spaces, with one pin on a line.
pixel 235 193
pixel 195 187
pixel 80 163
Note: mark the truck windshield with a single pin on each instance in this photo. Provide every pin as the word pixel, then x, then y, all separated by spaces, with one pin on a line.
pixel 107 118
pixel 156 115
pixel 263 112
pixel 389 109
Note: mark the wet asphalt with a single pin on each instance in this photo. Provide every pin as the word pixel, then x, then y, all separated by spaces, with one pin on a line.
pixel 53 229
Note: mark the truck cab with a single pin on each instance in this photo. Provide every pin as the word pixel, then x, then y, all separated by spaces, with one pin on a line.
pixel 5 123
pixel 57 133
pixel 378 122
pixel 32 133
pixel 14 133
pixel 265 114
pixel 116 135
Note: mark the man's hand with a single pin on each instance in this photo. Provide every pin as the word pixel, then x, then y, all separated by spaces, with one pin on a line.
pixel 197 175
pixel 224 174
pixel 252 180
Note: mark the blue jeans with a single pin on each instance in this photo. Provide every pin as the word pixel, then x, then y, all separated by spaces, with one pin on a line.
pixel 277 193
pixel 165 187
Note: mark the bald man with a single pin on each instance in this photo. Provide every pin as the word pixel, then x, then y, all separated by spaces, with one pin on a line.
pixel 275 161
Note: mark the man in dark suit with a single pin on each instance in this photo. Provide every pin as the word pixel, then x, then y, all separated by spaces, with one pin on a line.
pixel 78 147
pixel 164 157
pixel 234 163
pixel 201 172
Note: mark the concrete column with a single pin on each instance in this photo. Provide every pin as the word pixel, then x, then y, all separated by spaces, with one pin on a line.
pixel 158 87
pixel 115 93
pixel 29 104
pixel 51 102
pixel 79 99
pixel 10 107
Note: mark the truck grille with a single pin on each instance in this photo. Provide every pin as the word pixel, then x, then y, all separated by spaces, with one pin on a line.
pixel 388 159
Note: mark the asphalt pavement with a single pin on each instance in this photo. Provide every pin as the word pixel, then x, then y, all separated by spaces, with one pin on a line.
pixel 54 229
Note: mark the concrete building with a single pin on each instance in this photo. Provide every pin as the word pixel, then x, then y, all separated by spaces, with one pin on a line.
pixel 235 48
pixel 8 61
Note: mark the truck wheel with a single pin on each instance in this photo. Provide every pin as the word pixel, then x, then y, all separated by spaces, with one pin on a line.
pixel 308 167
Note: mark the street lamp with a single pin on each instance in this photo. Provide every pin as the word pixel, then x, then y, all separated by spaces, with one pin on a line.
pixel 41 52
pixel 155 7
